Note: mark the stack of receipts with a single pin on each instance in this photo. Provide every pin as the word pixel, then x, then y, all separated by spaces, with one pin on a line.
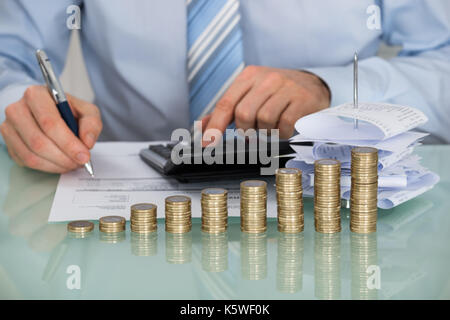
pixel 386 127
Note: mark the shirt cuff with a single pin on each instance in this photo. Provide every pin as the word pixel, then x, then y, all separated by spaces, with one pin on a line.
pixel 8 95
pixel 339 81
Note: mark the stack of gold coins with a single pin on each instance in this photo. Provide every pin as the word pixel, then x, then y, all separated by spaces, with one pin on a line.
pixel 112 224
pixel 79 229
pixel 364 189
pixel 143 218
pixel 327 195
pixel 290 200
pixel 253 206
pixel 214 210
pixel 178 214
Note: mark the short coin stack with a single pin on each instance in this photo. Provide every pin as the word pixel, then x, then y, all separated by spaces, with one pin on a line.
pixel 79 229
pixel 143 218
pixel 253 206
pixel 363 194
pixel 327 195
pixel 112 224
pixel 290 200
pixel 178 214
pixel 214 210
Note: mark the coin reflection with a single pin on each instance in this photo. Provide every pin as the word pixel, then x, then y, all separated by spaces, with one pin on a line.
pixel 290 262
pixel 112 237
pixel 363 254
pixel 79 235
pixel 178 247
pixel 144 244
pixel 327 266
pixel 215 252
pixel 254 255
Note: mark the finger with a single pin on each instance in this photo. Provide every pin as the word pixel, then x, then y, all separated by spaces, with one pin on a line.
pixel 293 112
pixel 28 129
pixel 89 120
pixel 47 116
pixel 15 158
pixel 245 113
pixel 269 114
pixel 205 121
pixel 26 156
pixel 223 112
pixel 12 154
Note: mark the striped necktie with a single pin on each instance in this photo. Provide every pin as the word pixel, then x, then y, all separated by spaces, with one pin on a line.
pixel 215 55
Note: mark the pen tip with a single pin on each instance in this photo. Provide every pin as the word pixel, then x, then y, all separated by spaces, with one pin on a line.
pixel 89 169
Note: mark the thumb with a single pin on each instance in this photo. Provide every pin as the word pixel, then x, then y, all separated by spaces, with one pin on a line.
pixel 89 120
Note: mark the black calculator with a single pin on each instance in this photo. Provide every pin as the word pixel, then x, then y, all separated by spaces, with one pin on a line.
pixel 158 156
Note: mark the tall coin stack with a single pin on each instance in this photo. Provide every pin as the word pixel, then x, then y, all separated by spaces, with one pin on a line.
pixel 363 193
pixel 214 210
pixel 253 206
pixel 178 214
pixel 327 195
pixel 112 224
pixel 290 200
pixel 143 218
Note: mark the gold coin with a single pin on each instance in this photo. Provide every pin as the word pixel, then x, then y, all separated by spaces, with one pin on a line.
pixel 80 226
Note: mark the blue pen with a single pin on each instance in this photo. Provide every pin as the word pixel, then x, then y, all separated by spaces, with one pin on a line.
pixel 57 92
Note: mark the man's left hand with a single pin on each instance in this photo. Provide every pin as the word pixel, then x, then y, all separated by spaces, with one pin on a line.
pixel 269 98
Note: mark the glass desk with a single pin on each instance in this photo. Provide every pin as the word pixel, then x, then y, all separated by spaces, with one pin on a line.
pixel 409 254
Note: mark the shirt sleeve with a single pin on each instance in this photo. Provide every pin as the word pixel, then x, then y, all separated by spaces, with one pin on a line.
pixel 419 76
pixel 25 26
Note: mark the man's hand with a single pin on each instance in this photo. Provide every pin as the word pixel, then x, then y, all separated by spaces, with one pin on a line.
pixel 269 98
pixel 37 136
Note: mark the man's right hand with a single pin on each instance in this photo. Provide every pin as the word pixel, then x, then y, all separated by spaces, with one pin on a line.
pixel 37 136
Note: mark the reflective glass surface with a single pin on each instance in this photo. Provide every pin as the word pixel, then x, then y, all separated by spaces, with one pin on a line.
pixel 407 258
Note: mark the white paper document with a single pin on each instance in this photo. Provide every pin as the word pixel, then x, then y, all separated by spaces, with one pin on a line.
pixel 378 121
pixel 382 126
pixel 122 179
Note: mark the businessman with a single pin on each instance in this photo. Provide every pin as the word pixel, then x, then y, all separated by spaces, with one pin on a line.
pixel 159 65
